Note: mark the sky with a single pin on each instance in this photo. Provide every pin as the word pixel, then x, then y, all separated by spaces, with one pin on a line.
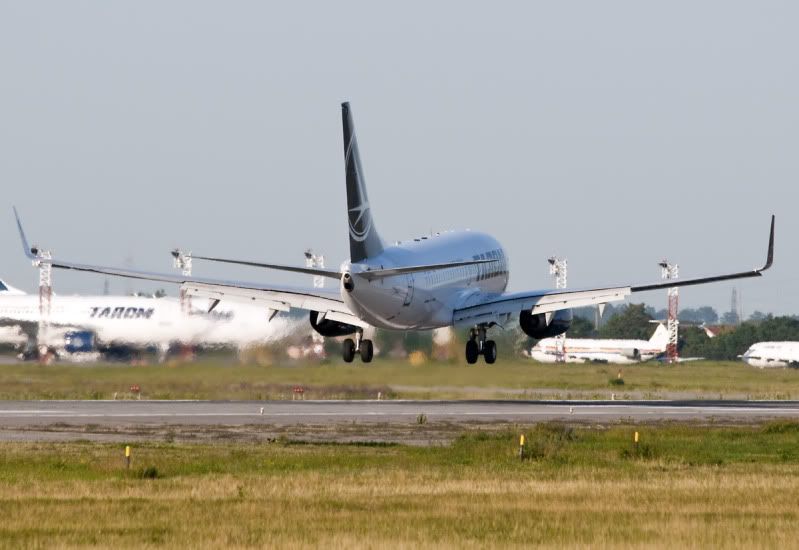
pixel 614 134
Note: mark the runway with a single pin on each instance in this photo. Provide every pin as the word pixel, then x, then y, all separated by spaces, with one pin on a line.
pixel 39 413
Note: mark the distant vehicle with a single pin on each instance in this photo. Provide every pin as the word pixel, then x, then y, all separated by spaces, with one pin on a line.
pixel 580 350
pixel 452 279
pixel 766 355
pixel 108 325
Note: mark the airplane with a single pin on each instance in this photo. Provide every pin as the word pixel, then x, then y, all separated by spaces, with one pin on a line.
pixel 581 350
pixel 452 279
pixel 8 290
pixel 108 325
pixel 772 355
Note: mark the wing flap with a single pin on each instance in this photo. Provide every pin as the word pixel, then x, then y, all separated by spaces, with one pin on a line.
pixel 537 302
pixel 274 300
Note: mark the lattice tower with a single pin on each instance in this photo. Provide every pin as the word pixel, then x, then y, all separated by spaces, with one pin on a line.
pixel 183 262
pixel 314 261
pixel 45 298
pixel 559 269
pixel 669 271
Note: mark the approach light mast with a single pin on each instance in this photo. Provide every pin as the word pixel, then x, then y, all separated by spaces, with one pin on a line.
pixel 183 262
pixel 671 271
pixel 45 297
pixel 314 261
pixel 559 269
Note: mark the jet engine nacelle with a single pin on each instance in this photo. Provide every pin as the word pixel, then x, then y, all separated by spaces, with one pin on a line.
pixel 631 353
pixel 535 326
pixel 330 328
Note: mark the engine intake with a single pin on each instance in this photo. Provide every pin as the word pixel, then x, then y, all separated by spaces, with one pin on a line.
pixel 535 326
pixel 330 328
pixel 631 353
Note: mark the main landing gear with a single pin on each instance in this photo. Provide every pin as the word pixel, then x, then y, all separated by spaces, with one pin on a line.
pixel 359 346
pixel 478 345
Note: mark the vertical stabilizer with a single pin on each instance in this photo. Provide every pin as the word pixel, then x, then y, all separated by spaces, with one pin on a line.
pixel 661 337
pixel 364 240
pixel 8 290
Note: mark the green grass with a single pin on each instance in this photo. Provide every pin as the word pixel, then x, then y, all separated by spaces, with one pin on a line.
pixel 682 486
pixel 393 379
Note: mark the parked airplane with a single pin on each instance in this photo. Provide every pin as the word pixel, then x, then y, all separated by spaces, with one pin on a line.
pixel 452 279
pixel 772 354
pixel 581 350
pixel 84 324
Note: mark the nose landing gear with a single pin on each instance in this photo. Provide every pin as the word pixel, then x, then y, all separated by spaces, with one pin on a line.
pixel 478 345
pixel 359 346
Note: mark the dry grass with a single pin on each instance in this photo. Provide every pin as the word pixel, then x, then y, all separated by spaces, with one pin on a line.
pixel 698 488
pixel 394 379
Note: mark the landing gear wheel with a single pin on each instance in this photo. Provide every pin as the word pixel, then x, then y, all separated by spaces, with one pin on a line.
pixel 490 351
pixel 367 351
pixel 472 352
pixel 348 350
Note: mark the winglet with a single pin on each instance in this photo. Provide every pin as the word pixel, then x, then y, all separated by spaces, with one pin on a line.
pixel 770 256
pixel 25 247
pixel 717 278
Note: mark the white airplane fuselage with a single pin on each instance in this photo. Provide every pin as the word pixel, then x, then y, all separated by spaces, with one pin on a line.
pixel 581 350
pixel 426 300
pixel 578 350
pixel 133 320
pixel 772 355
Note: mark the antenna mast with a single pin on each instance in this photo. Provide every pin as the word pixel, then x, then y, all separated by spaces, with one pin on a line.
pixel 45 298
pixel 559 269
pixel 312 260
pixel 669 271
pixel 183 262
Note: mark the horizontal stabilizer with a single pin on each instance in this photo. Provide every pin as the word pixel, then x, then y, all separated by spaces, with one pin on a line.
pixel 293 269
pixel 389 272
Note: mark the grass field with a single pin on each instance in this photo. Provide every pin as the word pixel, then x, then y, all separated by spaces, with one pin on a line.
pixel 683 486
pixel 395 379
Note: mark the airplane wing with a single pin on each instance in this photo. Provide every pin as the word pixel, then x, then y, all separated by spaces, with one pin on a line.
pixel 486 308
pixel 275 298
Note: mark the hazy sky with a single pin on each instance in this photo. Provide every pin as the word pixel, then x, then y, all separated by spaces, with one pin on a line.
pixel 610 133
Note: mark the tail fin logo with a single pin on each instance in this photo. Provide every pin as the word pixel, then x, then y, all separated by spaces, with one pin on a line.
pixel 360 216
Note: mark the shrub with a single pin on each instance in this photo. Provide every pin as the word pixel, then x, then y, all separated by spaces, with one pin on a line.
pixel 640 451
pixel 781 427
pixel 150 472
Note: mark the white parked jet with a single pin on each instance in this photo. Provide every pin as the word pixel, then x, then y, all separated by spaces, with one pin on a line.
pixel 453 279
pixel 110 322
pixel 581 350
pixel 772 354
